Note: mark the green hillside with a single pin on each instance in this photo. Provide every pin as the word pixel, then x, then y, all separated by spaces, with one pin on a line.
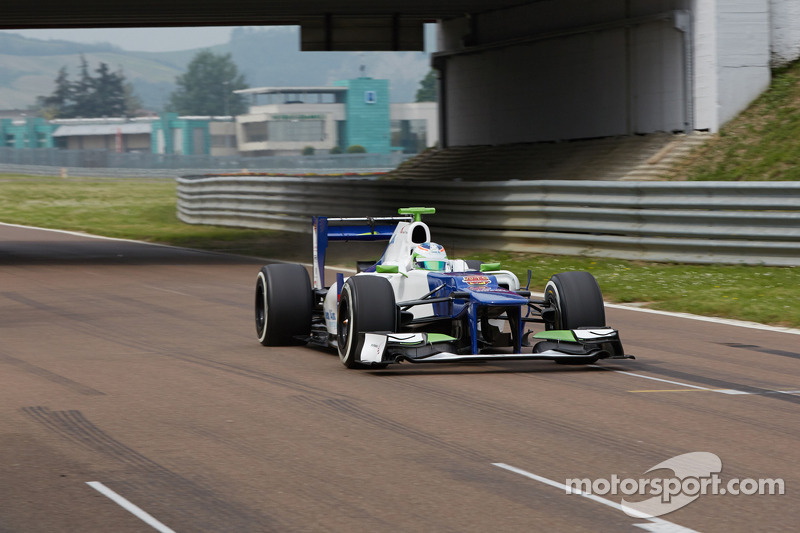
pixel 28 68
pixel 762 143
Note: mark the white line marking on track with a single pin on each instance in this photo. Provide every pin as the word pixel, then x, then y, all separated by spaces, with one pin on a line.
pixel 128 506
pixel 722 391
pixel 82 234
pixel 168 290
pixel 697 387
pixel 656 525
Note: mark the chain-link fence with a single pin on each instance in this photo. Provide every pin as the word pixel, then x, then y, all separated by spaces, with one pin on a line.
pixel 50 161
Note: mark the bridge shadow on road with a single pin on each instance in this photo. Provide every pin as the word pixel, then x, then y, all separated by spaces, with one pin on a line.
pixel 88 251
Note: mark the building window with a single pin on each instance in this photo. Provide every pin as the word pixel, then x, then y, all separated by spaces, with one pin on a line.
pixel 411 135
pixel 223 141
pixel 177 141
pixel 255 132
pixel 296 130
pixel 370 97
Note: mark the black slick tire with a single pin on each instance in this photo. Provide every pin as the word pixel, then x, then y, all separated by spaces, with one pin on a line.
pixel 577 300
pixel 578 303
pixel 367 304
pixel 283 304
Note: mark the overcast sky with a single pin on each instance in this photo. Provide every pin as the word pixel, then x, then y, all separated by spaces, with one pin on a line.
pixel 138 39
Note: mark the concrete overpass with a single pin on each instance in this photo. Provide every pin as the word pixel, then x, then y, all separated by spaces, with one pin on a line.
pixel 515 71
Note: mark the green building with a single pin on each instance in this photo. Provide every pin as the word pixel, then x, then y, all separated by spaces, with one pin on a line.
pixel 368 117
pixel 173 134
pixel 32 132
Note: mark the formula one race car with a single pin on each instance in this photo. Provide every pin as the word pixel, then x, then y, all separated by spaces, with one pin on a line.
pixel 417 305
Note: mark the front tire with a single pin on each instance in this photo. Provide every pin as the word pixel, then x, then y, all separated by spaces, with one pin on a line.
pixel 367 304
pixel 577 300
pixel 284 304
pixel 578 303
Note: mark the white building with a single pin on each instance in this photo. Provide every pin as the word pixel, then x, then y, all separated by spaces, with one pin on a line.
pixel 287 120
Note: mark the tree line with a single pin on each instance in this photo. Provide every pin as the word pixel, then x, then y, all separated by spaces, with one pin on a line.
pixel 206 88
pixel 105 95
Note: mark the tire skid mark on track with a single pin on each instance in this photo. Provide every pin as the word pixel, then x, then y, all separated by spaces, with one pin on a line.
pixel 348 407
pixel 559 426
pixel 636 449
pixel 88 328
pixel 761 349
pixel 715 383
pixel 58 379
pixel 231 442
pixel 16 297
pixel 203 297
pixel 477 463
pixel 333 497
pixel 149 307
pixel 250 373
pixel 85 324
pixel 724 412
pixel 728 365
pixel 205 506
pixel 152 308
pixel 73 424
pixel 230 303
pixel 715 410
pixel 644 450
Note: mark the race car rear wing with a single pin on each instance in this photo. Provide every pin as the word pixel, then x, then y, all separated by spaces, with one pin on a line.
pixel 348 229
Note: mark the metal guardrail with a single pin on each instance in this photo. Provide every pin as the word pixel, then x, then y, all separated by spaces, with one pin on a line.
pixel 694 222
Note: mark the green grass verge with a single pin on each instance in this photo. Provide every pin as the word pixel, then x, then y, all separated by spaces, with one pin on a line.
pixel 144 209
pixel 768 295
pixel 140 209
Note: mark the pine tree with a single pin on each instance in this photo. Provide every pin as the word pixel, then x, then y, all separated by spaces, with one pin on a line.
pixel 107 95
pixel 51 106
pixel 83 94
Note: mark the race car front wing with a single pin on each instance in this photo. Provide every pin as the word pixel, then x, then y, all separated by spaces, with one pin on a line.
pixel 578 346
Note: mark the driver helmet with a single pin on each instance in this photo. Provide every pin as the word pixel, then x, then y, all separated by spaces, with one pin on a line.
pixel 429 256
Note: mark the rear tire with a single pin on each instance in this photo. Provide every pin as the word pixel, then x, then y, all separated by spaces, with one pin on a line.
pixel 367 304
pixel 284 304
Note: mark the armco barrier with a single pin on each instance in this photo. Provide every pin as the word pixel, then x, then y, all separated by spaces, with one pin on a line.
pixel 697 222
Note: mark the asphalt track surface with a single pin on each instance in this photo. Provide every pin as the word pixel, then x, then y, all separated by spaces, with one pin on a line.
pixel 137 367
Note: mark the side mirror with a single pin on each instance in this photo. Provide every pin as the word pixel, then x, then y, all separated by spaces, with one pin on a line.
pixel 387 269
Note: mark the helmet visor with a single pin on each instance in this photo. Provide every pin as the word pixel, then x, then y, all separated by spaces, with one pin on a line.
pixel 431 265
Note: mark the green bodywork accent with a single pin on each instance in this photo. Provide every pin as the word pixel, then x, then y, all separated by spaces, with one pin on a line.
pixel 557 335
pixel 389 269
pixel 440 337
pixel 417 212
pixel 486 267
